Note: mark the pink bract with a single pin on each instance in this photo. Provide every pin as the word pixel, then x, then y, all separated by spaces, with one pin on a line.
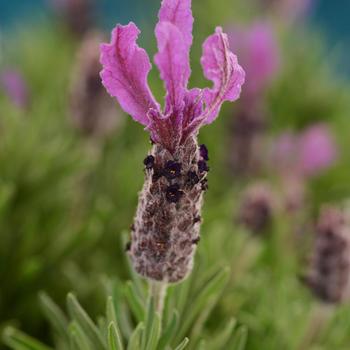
pixel 126 67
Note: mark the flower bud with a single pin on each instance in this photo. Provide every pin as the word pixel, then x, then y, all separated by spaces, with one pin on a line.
pixel 329 272
pixel 93 112
pixel 256 208
pixel 167 223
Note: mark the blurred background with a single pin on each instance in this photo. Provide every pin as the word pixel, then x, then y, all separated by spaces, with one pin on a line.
pixel 71 164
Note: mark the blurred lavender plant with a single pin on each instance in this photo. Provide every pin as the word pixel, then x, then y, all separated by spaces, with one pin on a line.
pixel 329 272
pixel 258 49
pixel 298 158
pixel 166 227
pixel 15 87
pixel 287 10
pixel 77 15
pixel 306 154
pixel 92 110
pixel 257 207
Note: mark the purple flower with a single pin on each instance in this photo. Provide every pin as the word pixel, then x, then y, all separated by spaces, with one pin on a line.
pixel 76 14
pixel 257 48
pixel 15 87
pixel 126 67
pixel 307 154
pixel 288 10
pixel 317 149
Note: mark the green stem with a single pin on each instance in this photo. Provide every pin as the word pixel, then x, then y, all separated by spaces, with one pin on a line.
pixel 158 292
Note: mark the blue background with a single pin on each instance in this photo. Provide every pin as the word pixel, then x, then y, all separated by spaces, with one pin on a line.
pixel 329 17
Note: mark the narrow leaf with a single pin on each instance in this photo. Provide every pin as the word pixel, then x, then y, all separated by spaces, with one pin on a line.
pixel 17 340
pixel 78 314
pixel 154 333
pixel 110 311
pixel 224 336
pixel 240 339
pixel 80 339
pixel 214 287
pixel 134 302
pixel 135 339
pixel 55 316
pixel 114 338
pixel 169 332
pixel 183 344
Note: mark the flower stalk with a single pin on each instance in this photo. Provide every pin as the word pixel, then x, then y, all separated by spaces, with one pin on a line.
pixel 166 228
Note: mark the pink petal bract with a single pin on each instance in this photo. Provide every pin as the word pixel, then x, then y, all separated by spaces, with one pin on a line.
pixel 174 37
pixel 220 65
pixel 125 71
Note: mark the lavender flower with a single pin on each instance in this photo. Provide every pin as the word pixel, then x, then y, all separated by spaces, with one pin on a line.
pixel 258 49
pixel 329 272
pixel 76 14
pixel 306 154
pixel 15 87
pixel 92 110
pixel 257 207
pixel 166 226
pixel 288 10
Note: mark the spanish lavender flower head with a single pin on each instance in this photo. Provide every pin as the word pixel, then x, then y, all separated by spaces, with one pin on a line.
pixel 308 153
pixel 289 10
pixel 329 271
pixel 317 149
pixel 15 87
pixel 257 207
pixel 257 48
pixel 93 112
pixel 77 14
pixel 166 227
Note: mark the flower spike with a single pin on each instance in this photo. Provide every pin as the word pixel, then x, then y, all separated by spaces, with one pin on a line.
pixel 166 227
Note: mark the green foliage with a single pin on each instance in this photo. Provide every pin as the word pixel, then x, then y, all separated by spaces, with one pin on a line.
pixel 65 202
pixel 150 333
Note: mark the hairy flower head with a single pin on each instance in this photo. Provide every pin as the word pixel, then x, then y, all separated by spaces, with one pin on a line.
pixel 126 67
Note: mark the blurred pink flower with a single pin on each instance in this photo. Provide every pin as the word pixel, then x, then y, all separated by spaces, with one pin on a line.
pixel 306 154
pixel 317 149
pixel 288 10
pixel 257 48
pixel 76 14
pixel 15 87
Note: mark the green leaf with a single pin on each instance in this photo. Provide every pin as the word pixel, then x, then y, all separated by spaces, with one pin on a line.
pixel 78 314
pixel 55 316
pixel 114 338
pixel 224 336
pixel 110 311
pixel 17 340
pixel 154 333
pixel 183 344
pixel 214 287
pixel 134 302
pixel 78 337
pixel 169 332
pixel 136 337
pixel 240 339
pixel 149 322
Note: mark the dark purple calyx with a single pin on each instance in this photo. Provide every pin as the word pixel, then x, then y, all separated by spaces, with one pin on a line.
pixel 205 185
pixel 192 178
pixel 203 166
pixel 127 246
pixel 149 162
pixel 172 170
pixel 196 240
pixel 203 151
pixel 173 193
